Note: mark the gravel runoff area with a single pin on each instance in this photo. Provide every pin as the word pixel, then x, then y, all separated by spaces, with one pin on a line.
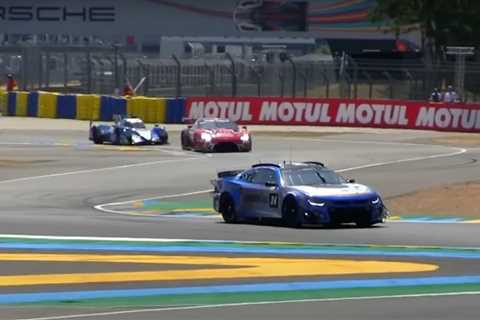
pixel 458 200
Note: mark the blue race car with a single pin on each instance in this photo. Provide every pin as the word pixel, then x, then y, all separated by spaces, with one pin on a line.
pixel 297 193
pixel 127 131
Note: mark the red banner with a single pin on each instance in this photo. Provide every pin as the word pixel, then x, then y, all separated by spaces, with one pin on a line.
pixel 395 114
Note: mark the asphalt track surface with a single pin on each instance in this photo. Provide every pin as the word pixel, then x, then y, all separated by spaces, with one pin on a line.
pixel 51 181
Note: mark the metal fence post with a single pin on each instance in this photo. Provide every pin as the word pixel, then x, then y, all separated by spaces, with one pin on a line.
pixel 258 79
pixel 178 86
pixel 116 48
pixel 390 82
pixel 233 72
pixel 89 71
pixel 303 75
pixel 327 83
pixel 65 69
pixel 370 83
pixel 281 76
pixel 294 75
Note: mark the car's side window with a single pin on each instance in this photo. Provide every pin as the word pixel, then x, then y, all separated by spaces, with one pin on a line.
pixel 248 176
pixel 264 176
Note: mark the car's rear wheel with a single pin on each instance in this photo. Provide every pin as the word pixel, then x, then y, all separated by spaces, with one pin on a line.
pixel 290 214
pixel 227 209
pixel 184 140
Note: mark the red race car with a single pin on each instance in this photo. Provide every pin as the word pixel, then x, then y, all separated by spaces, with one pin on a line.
pixel 216 135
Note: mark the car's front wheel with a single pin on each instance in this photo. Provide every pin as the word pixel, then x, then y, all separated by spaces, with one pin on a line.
pixel 227 209
pixel 364 222
pixel 290 213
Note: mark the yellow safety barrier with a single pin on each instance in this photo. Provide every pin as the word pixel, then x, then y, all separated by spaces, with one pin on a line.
pixel 3 102
pixel 135 107
pixel 151 110
pixel 88 107
pixel 47 105
pixel 22 104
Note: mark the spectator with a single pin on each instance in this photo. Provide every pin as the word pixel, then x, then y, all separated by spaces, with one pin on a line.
pixel 11 83
pixel 450 96
pixel 128 90
pixel 436 96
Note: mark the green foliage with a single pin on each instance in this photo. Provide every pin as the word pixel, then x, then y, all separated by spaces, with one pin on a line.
pixel 444 22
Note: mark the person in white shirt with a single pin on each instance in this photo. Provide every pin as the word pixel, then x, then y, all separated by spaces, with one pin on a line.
pixel 450 96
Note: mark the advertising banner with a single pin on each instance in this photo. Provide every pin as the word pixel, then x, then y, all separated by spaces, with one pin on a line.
pixel 393 114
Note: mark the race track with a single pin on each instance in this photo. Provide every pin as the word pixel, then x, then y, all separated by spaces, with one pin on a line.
pixel 51 180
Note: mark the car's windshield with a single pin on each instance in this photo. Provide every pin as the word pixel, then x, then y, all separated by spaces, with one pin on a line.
pixel 135 125
pixel 224 124
pixel 311 177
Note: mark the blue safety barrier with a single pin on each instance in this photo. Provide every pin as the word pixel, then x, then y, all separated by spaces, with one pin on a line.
pixel 67 106
pixel 175 110
pixel 110 106
pixel 32 104
pixel 12 104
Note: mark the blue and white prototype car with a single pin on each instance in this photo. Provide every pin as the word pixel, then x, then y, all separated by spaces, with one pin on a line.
pixel 297 193
pixel 127 131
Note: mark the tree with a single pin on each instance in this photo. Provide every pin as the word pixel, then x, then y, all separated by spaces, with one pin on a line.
pixel 440 22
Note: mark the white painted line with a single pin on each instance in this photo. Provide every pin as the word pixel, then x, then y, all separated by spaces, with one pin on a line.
pixel 70 173
pixel 249 304
pixel 379 164
pixel 103 207
pixel 168 240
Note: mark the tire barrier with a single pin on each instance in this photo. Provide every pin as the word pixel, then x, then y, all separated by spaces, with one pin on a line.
pixel 110 106
pixel 151 110
pixel 88 107
pixel 92 107
pixel 3 102
pixel 175 110
pixel 32 107
pixel 67 107
pixel 47 105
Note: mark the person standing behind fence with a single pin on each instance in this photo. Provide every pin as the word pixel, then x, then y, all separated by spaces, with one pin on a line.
pixel 11 83
pixel 128 90
pixel 450 96
pixel 436 95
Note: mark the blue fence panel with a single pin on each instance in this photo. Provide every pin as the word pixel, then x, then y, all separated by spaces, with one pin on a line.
pixel 12 103
pixel 67 107
pixel 32 104
pixel 175 110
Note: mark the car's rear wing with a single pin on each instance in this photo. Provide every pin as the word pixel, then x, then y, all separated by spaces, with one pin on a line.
pixel 228 174
pixel 221 176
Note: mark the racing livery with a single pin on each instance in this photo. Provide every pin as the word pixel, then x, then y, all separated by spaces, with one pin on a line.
pixel 216 135
pixel 127 131
pixel 297 193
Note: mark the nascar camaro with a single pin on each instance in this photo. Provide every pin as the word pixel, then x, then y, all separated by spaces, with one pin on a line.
pixel 216 135
pixel 127 131
pixel 298 194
